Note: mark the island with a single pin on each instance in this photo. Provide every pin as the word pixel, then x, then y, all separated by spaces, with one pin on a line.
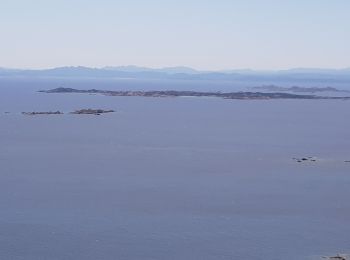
pixel 299 89
pixel 305 159
pixel 42 113
pixel 90 111
pixel 337 257
pixel 179 93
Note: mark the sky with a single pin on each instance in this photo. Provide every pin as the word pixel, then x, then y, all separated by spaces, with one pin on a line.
pixel 203 34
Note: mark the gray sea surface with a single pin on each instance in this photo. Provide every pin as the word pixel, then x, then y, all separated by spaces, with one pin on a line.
pixel 170 178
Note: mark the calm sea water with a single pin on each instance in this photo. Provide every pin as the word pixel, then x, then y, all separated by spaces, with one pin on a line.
pixel 171 178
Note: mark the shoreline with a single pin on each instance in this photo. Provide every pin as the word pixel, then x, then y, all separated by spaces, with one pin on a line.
pixel 176 93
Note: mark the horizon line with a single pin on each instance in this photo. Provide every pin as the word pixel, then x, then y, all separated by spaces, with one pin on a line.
pixel 176 67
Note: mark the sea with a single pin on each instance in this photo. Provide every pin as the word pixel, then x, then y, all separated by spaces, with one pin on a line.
pixel 171 178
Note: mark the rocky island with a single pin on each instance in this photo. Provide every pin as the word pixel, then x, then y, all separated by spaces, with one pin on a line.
pixel 305 159
pixel 337 257
pixel 178 93
pixel 90 111
pixel 42 113
pixel 299 89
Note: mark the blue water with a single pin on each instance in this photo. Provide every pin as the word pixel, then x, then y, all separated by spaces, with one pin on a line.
pixel 171 178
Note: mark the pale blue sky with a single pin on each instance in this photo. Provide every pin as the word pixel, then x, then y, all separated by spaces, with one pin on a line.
pixel 216 34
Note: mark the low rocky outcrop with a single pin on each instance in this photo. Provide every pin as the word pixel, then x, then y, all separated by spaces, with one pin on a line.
pixel 90 111
pixel 42 113
pixel 305 159
pixel 337 257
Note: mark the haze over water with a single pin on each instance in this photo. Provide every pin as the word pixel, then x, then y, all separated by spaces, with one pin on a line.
pixel 171 178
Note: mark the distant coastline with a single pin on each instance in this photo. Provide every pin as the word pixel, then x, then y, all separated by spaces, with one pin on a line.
pixel 290 77
pixel 177 93
pixel 275 88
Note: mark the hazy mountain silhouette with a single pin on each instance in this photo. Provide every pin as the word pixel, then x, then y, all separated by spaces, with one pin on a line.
pixel 184 73
pixel 170 70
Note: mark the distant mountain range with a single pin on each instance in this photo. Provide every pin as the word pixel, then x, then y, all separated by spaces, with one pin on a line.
pixel 169 70
pixel 183 73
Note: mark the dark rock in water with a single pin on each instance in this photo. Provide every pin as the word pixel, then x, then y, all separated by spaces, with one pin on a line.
pixel 305 159
pixel 311 159
pixel 90 111
pixel 337 257
pixel 42 113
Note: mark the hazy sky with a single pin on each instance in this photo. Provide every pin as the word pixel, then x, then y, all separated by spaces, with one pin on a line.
pixel 205 34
